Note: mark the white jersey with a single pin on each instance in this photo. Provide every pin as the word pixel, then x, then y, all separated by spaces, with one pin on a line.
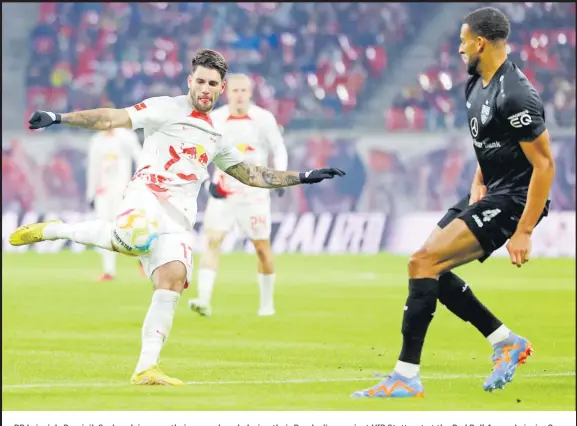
pixel 110 158
pixel 256 135
pixel 179 143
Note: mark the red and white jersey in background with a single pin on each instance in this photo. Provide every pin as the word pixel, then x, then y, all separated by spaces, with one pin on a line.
pixel 179 143
pixel 257 135
pixel 110 158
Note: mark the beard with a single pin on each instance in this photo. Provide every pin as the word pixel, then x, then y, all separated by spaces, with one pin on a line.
pixel 201 107
pixel 473 66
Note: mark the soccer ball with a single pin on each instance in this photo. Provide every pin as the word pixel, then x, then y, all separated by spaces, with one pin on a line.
pixel 134 232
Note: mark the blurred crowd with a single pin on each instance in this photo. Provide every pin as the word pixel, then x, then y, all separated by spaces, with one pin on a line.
pixel 307 59
pixel 542 44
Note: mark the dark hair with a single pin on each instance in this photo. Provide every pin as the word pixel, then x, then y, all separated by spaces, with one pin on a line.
pixel 489 23
pixel 210 59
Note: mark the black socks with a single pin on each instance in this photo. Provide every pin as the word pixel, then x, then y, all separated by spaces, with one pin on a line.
pixel 419 310
pixel 460 300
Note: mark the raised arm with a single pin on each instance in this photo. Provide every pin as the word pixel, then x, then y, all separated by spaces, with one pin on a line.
pixel 93 119
pixel 98 119
pixel 263 177
pixel 151 113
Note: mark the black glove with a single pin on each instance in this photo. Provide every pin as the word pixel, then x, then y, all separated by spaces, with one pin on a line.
pixel 213 190
pixel 91 204
pixel 280 191
pixel 317 175
pixel 42 119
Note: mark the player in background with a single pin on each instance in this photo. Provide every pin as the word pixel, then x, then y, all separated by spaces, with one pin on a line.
pixel 109 170
pixel 179 143
pixel 255 132
pixel 509 196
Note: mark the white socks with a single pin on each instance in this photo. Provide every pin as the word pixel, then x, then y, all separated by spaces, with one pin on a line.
pixel 156 327
pixel 407 370
pixel 206 279
pixel 93 232
pixel 498 335
pixel 266 285
pixel 109 262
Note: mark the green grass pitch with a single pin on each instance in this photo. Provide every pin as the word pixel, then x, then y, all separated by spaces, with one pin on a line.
pixel 69 342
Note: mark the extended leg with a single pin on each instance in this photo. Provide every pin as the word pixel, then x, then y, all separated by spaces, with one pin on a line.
pixel 454 245
pixel 459 298
pixel 93 232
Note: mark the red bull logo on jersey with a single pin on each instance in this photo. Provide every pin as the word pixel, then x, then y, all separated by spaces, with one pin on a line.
pixel 197 153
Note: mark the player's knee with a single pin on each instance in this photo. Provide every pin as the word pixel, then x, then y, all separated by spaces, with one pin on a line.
pixel 170 276
pixel 422 264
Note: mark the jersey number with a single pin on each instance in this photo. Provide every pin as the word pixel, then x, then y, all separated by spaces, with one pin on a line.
pixel 187 251
pixel 487 216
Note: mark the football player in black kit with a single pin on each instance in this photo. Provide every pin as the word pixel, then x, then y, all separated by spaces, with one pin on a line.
pixel 508 198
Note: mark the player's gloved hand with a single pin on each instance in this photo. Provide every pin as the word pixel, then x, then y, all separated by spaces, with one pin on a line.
pixel 280 191
pixel 318 175
pixel 213 190
pixel 91 204
pixel 42 119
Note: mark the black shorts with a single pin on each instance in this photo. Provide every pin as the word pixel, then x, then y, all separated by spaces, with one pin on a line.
pixel 493 220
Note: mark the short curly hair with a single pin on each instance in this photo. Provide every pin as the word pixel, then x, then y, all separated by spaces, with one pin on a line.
pixel 210 59
pixel 489 23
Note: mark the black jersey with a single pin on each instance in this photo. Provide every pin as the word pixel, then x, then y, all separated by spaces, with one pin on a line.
pixel 501 115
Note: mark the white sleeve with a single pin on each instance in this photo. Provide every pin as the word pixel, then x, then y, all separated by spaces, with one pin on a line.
pixel 276 143
pixel 227 156
pixel 150 113
pixel 92 169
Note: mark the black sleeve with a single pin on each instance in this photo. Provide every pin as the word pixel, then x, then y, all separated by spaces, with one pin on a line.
pixel 523 114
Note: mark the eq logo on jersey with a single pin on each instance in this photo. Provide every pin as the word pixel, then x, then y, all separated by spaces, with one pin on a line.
pixel 520 119
pixel 243 147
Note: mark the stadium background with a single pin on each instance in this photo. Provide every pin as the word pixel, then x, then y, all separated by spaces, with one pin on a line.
pixel 375 89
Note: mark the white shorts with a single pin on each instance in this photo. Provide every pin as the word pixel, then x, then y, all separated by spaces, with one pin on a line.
pixel 175 241
pixel 253 219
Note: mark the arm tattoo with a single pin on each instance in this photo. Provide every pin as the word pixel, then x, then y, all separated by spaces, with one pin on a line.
pixel 94 119
pixel 262 177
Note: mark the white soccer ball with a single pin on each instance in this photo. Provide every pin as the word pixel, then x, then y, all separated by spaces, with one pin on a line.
pixel 134 232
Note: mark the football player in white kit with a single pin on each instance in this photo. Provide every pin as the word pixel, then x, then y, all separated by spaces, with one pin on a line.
pixel 179 143
pixel 109 170
pixel 254 131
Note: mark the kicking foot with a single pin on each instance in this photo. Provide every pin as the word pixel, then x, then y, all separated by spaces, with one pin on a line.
pixel 30 234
